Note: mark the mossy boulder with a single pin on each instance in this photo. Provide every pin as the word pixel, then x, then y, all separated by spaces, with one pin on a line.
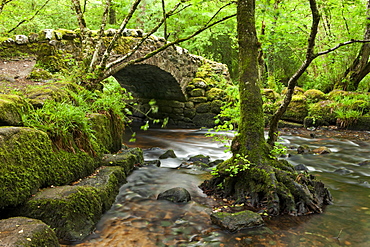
pixel 26 232
pixel 71 210
pixel 297 109
pixel 108 130
pixel 38 95
pixel 236 221
pixel 321 113
pixel 337 93
pixel 270 94
pixel 29 162
pixel 297 91
pixel 314 95
pixel 39 74
pixel 107 181
pixel 11 109
pixel 126 158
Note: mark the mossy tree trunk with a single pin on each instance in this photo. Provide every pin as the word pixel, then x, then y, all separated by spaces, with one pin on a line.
pixel 252 176
pixel 361 65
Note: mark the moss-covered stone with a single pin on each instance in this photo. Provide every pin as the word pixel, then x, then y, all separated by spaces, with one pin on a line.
pixel 322 113
pixel 314 95
pixel 203 107
pixel 198 99
pixel 270 94
pixel 215 94
pixel 297 91
pixel 363 124
pixel 108 131
pixel 297 109
pixel 39 74
pixel 216 106
pixel 204 119
pixel 126 158
pixel 29 162
pixel 107 181
pixel 236 221
pixel 71 210
pixel 38 95
pixel 11 109
pixel 26 232
pixel 337 93
pixel 197 92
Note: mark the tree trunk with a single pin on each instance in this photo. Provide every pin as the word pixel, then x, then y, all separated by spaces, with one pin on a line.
pixel 252 176
pixel 250 141
pixel 360 66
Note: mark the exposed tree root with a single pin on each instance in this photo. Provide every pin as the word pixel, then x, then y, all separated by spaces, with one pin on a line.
pixel 274 187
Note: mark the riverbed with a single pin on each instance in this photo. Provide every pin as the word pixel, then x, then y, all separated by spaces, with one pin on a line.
pixel 138 219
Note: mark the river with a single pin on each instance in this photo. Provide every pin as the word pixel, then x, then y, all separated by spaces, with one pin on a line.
pixel 137 219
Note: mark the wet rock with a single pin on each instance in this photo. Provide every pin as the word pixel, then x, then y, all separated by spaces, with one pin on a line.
pixel 126 158
pixel 304 149
pixel 200 157
pixel 301 167
pixel 22 231
pixel 342 171
pixel 168 154
pixel 178 195
pixel 72 211
pixel 321 150
pixel 236 221
pixel 364 163
pixel 156 163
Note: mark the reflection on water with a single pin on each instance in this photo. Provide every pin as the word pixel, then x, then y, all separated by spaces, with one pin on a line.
pixel 138 219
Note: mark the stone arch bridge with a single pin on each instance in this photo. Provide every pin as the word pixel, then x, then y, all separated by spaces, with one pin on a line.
pixel 187 88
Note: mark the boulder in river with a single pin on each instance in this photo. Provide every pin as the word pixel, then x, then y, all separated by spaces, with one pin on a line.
pixel 168 154
pixel 321 150
pixel 236 221
pixel 177 194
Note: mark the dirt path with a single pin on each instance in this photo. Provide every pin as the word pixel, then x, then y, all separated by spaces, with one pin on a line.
pixel 14 73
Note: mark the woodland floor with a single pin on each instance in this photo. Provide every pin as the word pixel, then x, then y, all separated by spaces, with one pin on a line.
pixel 13 78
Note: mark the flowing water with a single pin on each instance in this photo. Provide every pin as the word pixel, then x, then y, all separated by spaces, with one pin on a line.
pixel 137 219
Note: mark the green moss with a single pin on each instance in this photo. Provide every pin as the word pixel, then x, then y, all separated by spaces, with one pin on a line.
pixel 270 94
pixel 29 163
pixel 297 91
pixel 40 74
pixel 323 112
pixel 71 210
pixel 337 93
pixel 124 44
pixel 314 95
pixel 215 93
pixel 107 181
pixel 297 109
pixel 12 107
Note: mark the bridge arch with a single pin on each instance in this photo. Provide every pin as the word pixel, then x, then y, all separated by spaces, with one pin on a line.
pixel 150 82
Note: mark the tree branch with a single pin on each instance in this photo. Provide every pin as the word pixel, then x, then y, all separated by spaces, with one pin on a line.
pixel 3 3
pixel 273 131
pixel 340 45
pixel 80 16
pixel 112 70
pixel 29 19
pixel 128 55
pixel 119 33
pixel 98 46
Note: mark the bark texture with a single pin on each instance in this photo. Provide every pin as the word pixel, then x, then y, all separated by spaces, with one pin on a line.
pixel 252 176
